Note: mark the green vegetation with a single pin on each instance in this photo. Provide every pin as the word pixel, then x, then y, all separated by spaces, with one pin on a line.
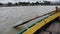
pixel 28 3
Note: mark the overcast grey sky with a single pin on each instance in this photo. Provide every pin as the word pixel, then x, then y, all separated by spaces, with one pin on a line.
pixel 5 1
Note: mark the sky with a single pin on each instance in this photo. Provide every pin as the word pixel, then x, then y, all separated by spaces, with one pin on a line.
pixel 13 1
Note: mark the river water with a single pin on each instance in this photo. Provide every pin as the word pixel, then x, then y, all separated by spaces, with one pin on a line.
pixel 11 16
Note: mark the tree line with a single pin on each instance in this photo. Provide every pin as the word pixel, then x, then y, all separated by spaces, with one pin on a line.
pixel 27 3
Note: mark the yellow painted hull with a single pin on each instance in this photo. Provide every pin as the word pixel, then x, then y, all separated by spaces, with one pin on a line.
pixel 41 24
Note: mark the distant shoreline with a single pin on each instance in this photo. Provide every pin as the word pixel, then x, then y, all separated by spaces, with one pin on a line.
pixel 30 5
